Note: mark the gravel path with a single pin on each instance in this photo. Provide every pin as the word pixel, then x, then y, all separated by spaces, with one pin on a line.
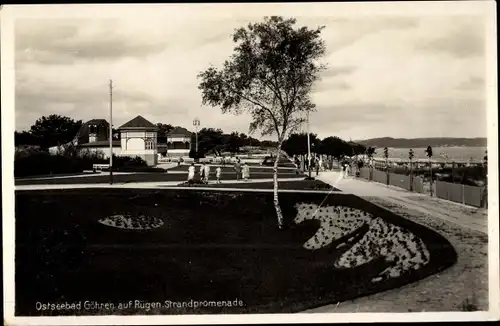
pixel 451 290
pixel 446 291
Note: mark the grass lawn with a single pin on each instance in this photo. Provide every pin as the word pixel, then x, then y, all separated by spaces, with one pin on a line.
pixel 211 246
pixel 228 169
pixel 146 177
pixel 300 184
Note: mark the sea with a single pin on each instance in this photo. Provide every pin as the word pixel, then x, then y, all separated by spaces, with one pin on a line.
pixel 449 154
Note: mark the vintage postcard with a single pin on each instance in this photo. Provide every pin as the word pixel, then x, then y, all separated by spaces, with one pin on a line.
pixel 249 163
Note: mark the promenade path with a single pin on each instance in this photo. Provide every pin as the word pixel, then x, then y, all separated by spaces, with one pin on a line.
pixel 466 229
pixel 462 215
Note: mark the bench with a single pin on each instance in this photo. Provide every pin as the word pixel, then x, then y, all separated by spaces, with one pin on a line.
pixel 99 167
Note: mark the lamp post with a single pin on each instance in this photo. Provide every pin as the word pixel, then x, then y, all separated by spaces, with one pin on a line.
pixel 308 147
pixel 196 124
pixel 110 132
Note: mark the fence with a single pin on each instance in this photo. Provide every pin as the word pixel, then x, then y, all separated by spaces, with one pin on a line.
pixel 459 193
pixel 400 180
pixel 364 173
pixel 379 176
pixel 468 195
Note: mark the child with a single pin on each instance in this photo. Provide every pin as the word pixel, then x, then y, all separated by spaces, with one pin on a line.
pixel 191 172
pixel 217 173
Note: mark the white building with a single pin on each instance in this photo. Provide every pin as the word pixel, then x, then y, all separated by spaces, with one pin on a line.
pixel 138 138
pixel 178 142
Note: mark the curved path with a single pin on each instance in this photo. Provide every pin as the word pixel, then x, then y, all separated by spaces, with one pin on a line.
pixel 465 216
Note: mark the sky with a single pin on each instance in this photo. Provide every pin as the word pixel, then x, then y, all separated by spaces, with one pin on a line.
pixel 388 75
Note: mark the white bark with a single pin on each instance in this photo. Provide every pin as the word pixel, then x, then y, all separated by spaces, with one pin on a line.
pixel 277 207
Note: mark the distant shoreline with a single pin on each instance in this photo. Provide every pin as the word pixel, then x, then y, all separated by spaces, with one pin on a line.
pixel 423 142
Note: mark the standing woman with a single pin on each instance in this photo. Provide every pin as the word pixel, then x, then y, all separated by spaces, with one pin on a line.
pixel 191 172
pixel 246 172
pixel 206 172
pixel 237 169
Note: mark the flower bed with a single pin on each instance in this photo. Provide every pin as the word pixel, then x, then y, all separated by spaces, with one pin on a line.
pixel 213 245
pixel 396 245
pixel 132 222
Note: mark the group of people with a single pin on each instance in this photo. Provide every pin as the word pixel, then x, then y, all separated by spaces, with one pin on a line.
pixel 242 172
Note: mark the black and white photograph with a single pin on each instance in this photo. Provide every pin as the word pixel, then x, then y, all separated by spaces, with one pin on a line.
pixel 249 162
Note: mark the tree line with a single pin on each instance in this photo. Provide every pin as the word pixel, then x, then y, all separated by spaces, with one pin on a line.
pixel 296 144
pixel 56 130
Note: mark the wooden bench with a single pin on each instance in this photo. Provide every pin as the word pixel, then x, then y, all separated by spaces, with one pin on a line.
pixel 99 167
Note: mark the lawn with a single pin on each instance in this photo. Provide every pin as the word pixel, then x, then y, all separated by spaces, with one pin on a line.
pixel 228 169
pixel 149 177
pixel 300 184
pixel 212 246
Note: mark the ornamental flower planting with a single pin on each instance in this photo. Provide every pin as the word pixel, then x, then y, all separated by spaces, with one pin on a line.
pixel 400 248
pixel 141 222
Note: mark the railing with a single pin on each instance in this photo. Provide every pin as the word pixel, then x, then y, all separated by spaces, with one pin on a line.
pixel 464 194
pixel 459 193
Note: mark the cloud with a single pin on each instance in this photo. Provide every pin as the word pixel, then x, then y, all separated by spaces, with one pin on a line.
pixel 67 42
pixel 387 75
pixel 346 32
pixel 338 71
pixel 462 40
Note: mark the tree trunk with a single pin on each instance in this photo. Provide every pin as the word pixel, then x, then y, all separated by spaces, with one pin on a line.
pixel 277 207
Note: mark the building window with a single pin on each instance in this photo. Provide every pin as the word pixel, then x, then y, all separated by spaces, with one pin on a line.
pixel 150 144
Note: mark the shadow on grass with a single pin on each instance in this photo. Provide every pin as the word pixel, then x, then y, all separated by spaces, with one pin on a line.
pixel 213 246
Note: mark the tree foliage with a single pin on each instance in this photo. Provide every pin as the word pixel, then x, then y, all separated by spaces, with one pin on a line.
pixel 269 75
pixel 210 140
pixel 371 151
pixel 54 130
pixel 296 143
pixel 163 130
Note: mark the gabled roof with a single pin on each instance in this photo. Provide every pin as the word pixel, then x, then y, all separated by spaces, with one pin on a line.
pixel 97 122
pixel 179 131
pixel 138 123
pixel 82 136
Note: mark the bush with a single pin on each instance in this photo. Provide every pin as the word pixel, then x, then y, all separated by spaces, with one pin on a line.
pixel 196 155
pixel 70 159
pixel 127 161
pixel 43 163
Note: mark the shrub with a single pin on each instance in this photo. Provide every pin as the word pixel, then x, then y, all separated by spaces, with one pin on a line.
pixel 196 155
pixel 43 163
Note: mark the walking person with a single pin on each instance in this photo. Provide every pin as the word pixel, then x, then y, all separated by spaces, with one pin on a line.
pixel 316 165
pixel 191 171
pixel 206 173
pixel 347 170
pixel 202 172
pixel 246 172
pixel 237 169
pixel 218 172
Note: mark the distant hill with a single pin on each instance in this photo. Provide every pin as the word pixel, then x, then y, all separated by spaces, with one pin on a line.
pixel 422 142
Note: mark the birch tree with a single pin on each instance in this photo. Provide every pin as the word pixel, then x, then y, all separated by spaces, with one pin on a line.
pixel 270 77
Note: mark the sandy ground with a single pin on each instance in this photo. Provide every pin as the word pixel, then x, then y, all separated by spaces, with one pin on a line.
pixel 446 291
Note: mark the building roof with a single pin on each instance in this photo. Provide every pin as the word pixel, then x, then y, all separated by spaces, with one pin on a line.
pixel 102 143
pixel 179 131
pixel 82 136
pixel 138 123
pixel 97 122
